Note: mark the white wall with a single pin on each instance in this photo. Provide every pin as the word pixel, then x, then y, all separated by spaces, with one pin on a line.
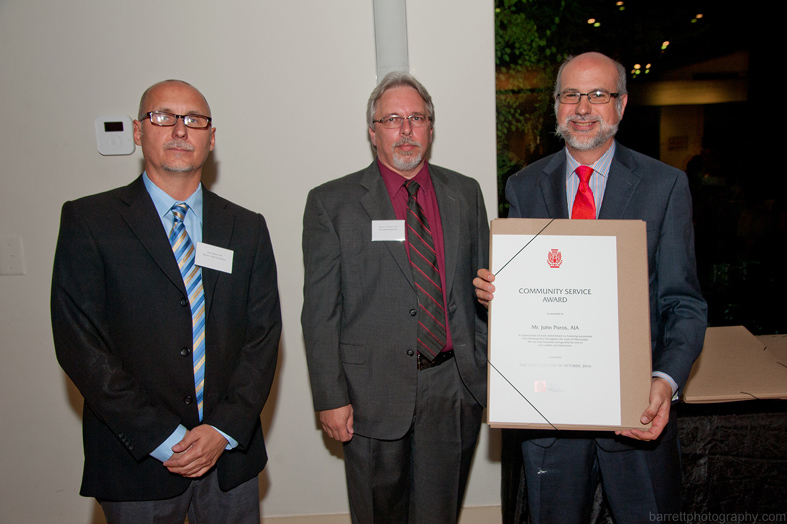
pixel 287 82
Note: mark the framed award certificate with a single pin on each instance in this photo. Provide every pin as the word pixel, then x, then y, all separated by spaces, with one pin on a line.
pixel 569 327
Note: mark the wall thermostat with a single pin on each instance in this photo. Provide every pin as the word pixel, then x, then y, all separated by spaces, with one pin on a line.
pixel 115 135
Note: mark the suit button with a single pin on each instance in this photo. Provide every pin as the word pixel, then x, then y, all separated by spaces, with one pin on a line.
pixel 410 352
pixel 413 312
pixel 184 302
pixel 131 447
pixel 187 399
pixel 185 352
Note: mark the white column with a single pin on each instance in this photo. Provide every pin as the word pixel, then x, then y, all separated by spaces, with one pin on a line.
pixel 390 36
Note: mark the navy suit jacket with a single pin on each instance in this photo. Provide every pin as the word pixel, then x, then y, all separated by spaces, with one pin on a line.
pixel 641 188
pixel 122 332
pixel 360 304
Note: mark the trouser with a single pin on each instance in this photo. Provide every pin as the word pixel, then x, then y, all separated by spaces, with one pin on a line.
pixel 421 477
pixel 203 502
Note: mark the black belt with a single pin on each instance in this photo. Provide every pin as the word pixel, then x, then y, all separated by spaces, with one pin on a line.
pixel 425 363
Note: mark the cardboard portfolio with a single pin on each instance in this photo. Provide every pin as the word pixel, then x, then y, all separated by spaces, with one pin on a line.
pixel 776 345
pixel 569 327
pixel 735 365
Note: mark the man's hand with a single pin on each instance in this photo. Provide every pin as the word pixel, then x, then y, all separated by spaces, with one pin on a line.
pixel 483 287
pixel 338 423
pixel 657 412
pixel 197 452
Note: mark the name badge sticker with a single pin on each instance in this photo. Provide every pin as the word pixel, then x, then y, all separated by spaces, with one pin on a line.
pixel 388 230
pixel 214 257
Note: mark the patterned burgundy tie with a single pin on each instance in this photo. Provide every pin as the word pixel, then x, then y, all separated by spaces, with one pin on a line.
pixel 423 260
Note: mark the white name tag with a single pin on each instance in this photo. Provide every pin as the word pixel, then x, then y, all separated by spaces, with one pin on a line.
pixel 387 230
pixel 214 257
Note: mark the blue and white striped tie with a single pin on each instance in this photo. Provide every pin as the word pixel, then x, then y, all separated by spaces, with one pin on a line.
pixel 192 278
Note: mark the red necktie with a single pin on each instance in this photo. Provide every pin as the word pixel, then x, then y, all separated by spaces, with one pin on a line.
pixel 584 205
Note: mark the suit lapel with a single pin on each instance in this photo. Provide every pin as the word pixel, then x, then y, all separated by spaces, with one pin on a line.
pixel 141 216
pixel 377 204
pixel 623 181
pixel 448 205
pixel 621 185
pixel 553 186
pixel 217 228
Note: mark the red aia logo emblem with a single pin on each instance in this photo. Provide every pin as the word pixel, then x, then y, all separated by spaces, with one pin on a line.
pixel 554 258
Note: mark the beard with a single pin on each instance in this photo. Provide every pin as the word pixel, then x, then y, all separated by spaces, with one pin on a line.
pixel 178 168
pixel 585 141
pixel 406 162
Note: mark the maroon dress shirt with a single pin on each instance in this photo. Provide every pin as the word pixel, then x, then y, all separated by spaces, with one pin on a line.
pixel 394 182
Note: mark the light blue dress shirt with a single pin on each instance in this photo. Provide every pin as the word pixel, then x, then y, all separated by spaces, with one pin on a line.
pixel 193 224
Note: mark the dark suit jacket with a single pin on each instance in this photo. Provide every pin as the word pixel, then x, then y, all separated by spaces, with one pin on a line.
pixel 359 314
pixel 122 331
pixel 639 188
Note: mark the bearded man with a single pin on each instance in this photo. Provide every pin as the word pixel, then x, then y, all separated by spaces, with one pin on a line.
pixel 395 342
pixel 595 177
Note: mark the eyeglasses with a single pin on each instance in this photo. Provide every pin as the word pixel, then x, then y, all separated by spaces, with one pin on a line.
pixel 396 121
pixel 598 96
pixel 164 119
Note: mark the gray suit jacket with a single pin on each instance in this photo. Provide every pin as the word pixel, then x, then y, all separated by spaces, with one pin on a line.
pixel 359 314
pixel 639 188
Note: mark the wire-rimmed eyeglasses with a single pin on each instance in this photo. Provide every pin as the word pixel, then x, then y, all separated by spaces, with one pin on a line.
pixel 599 96
pixel 396 121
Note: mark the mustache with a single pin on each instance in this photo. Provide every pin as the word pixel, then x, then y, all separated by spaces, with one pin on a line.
pixel 178 144
pixel 406 140
pixel 583 118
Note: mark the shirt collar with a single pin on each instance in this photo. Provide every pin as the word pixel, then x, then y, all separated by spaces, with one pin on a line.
pixel 601 166
pixel 394 181
pixel 164 202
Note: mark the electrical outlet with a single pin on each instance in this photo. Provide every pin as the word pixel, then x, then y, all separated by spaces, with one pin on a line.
pixel 12 258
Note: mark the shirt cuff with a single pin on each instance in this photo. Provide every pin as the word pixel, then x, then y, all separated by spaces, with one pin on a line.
pixel 164 451
pixel 672 383
pixel 231 442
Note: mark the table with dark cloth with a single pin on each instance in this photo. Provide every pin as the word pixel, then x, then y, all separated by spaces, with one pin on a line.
pixel 734 461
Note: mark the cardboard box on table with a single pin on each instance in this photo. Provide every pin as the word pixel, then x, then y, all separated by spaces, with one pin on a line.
pixel 735 365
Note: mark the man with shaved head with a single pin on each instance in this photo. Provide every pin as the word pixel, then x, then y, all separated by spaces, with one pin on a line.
pixel 165 314
pixel 596 177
